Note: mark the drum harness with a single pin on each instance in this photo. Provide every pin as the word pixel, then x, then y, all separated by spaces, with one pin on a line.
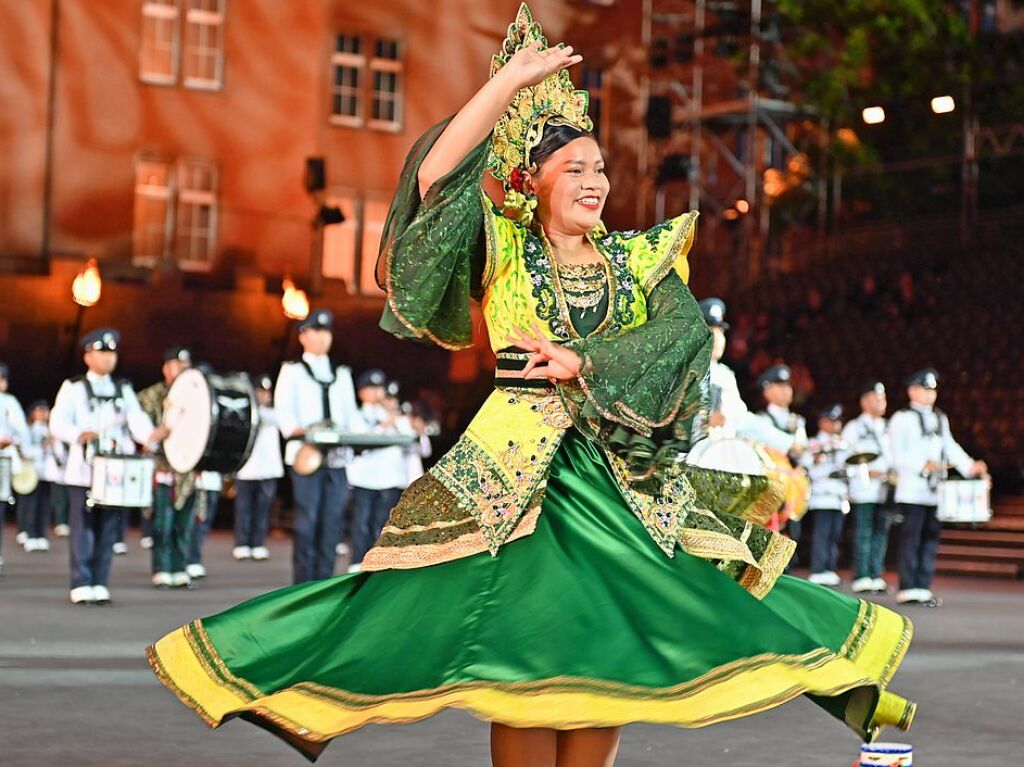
pixel 325 390
pixel 96 400
pixel 934 477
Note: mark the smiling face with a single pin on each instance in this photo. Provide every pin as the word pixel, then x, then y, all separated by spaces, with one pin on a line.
pixel 571 188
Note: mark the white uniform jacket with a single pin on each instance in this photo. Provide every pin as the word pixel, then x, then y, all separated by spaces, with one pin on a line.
pixel 298 401
pixel 265 460
pixel 730 404
pixel 866 434
pixel 115 415
pixel 919 435
pixel 776 427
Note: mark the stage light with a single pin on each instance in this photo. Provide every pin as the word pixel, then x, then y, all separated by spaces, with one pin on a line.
pixel 294 301
pixel 731 214
pixel 873 115
pixel 742 206
pixel 943 104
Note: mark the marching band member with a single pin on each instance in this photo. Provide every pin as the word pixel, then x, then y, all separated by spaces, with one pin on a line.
pixel 36 505
pixel 96 413
pixel 308 392
pixel 777 426
pixel 923 449
pixel 256 481
pixel 376 476
pixel 869 489
pixel 830 501
pixel 13 434
pixel 728 410
pixel 174 495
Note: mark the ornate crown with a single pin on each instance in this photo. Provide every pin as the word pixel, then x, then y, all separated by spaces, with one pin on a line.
pixel 553 100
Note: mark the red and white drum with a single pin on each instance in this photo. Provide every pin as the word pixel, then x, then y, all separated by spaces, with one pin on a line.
pixel 122 480
pixel 964 500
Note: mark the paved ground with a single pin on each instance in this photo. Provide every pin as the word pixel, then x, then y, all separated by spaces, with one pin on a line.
pixel 75 689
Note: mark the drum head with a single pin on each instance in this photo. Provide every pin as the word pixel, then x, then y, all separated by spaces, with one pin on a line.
pixel 188 413
pixel 732 455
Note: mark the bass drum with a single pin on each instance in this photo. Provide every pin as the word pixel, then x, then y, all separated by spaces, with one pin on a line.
pixel 213 420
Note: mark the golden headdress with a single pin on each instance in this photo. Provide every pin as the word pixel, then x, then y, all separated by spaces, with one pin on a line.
pixel 554 100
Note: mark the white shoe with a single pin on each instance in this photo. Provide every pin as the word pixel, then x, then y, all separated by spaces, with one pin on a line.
pixel 1 565
pixel 101 594
pixel 42 544
pixel 926 595
pixel 821 579
pixel 161 580
pixel 355 568
pixel 83 595
pixel 905 596
pixel 342 550
pixel 180 580
pixel 879 586
pixel 861 585
pixel 120 548
pixel 29 544
pixel 195 571
pixel 146 542
pixel 834 578
pixel 241 552
pixel 260 553
pixel 61 531
pixel 21 537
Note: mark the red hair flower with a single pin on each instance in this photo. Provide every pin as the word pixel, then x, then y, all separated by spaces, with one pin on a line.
pixel 516 179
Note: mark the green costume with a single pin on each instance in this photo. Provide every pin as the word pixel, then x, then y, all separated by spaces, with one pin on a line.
pixel 558 567
pixel 519 579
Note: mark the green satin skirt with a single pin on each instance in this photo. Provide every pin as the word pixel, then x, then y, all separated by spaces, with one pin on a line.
pixel 584 623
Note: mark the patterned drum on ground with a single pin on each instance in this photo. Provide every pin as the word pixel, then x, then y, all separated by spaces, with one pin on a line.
pixel 122 480
pixel 732 475
pixel 886 755
pixel 964 500
pixel 6 493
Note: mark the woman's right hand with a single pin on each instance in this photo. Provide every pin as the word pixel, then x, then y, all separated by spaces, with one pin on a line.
pixel 530 65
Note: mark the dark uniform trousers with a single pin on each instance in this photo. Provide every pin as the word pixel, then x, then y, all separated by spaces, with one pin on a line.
pixel 871 539
pixel 372 509
pixel 253 499
pixel 36 510
pixel 320 501
pixel 93 534
pixel 171 530
pixel 919 545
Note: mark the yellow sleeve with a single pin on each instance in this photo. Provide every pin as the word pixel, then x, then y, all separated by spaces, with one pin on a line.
pixel 654 253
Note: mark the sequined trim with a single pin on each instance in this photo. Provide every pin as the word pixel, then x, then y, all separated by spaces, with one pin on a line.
pixel 668 262
pixel 760 580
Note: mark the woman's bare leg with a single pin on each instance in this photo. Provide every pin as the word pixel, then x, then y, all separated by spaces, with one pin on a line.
pixel 516 747
pixel 595 747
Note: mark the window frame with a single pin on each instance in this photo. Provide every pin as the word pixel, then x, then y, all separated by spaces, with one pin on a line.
pixel 368 64
pixel 168 11
pixel 184 257
pixel 358 62
pixel 202 18
pixel 166 194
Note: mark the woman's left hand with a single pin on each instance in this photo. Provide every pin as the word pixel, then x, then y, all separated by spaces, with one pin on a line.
pixel 548 359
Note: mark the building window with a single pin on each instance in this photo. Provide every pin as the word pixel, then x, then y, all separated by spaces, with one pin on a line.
pixel 366 82
pixel 197 214
pixel 349 73
pixel 204 44
pixel 386 69
pixel 341 241
pixel 154 212
pixel 161 43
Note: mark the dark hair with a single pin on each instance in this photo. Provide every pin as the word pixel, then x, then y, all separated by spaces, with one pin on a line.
pixel 553 139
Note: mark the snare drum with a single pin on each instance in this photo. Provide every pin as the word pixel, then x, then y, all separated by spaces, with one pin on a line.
pixel 6 471
pixel 213 421
pixel 122 480
pixel 964 500
pixel 886 755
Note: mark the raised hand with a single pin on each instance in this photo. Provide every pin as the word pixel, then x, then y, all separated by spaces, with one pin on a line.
pixel 529 65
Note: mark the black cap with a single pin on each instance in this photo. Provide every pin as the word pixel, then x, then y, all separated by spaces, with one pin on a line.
pixel 871 387
pixel 714 313
pixel 833 412
pixel 263 381
pixel 373 377
pixel 5 370
pixel 179 353
pixel 101 340
pixel 321 319
pixel 928 378
pixel 38 403
pixel 775 374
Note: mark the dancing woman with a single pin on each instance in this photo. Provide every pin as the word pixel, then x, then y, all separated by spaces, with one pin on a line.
pixel 559 572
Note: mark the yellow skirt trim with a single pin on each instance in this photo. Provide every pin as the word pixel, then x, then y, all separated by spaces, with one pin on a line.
pixel 309 715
